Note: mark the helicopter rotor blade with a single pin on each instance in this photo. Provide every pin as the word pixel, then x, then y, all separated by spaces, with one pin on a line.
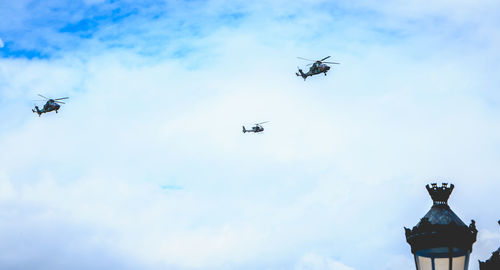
pixel 60 102
pixel 324 58
pixel 43 96
pixel 61 98
pixel 309 64
pixel 262 123
pixel 332 63
pixel 306 59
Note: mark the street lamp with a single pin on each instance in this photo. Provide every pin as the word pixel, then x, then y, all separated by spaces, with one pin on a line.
pixel 441 241
pixel 493 263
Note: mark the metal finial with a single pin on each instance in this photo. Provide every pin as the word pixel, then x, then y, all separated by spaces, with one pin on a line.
pixel 440 194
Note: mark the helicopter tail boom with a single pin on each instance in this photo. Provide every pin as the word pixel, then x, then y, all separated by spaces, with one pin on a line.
pixel 302 74
pixel 36 110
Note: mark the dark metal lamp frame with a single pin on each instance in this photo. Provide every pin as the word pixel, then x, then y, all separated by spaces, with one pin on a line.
pixel 441 233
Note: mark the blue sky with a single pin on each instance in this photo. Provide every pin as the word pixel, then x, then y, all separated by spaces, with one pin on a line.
pixel 146 167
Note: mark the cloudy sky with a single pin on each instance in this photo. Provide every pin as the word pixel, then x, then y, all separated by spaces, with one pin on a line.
pixel 146 166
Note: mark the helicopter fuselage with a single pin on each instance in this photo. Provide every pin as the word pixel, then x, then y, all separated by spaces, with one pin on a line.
pixel 256 129
pixel 314 70
pixel 317 67
pixel 52 104
pixel 49 106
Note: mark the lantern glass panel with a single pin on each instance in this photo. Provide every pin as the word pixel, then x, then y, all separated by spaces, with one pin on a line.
pixel 439 259
pixel 424 263
pixel 458 263
pixel 442 264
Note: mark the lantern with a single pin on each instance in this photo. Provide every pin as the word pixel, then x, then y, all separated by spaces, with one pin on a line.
pixel 441 241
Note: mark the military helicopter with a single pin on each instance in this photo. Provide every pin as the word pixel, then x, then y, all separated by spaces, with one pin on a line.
pixel 51 105
pixel 317 67
pixel 258 128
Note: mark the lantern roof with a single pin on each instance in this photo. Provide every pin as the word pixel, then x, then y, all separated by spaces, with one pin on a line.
pixel 441 227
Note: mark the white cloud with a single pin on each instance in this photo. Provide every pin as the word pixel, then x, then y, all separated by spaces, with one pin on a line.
pixel 313 261
pixel 342 151
pixel 6 190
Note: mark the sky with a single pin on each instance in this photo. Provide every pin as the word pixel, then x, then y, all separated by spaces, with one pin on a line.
pixel 146 167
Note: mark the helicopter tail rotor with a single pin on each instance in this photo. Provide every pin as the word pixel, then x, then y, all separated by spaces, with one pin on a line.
pixel 37 110
pixel 298 73
pixel 301 74
pixel 244 130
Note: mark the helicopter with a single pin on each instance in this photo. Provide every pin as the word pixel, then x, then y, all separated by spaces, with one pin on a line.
pixel 258 128
pixel 317 67
pixel 50 105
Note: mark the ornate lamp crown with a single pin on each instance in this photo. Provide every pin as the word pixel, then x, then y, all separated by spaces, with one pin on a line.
pixel 440 194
